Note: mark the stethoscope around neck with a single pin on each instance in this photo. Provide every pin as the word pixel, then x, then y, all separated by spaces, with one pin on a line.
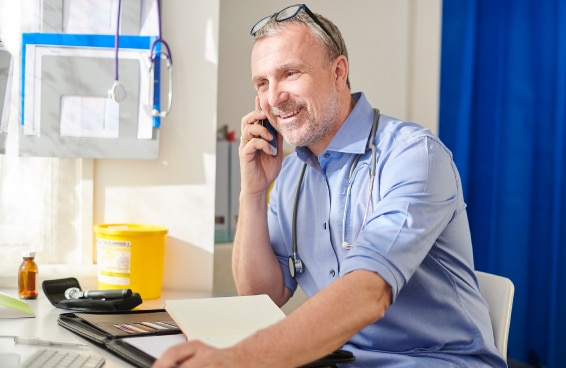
pixel 295 264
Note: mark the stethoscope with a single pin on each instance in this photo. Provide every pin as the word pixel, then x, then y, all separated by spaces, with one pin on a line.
pixel 295 264
pixel 157 53
pixel 118 92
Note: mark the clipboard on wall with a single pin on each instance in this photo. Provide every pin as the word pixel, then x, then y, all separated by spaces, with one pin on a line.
pixel 65 108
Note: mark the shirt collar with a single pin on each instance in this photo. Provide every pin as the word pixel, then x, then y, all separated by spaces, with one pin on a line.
pixel 353 135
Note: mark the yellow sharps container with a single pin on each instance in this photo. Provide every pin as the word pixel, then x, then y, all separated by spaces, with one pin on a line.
pixel 131 256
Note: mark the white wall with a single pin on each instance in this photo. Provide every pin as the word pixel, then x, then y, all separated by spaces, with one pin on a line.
pixel 177 190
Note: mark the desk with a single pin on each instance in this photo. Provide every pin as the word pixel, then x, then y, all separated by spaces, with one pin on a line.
pixel 45 326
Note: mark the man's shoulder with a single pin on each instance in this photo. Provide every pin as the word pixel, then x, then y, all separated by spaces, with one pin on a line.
pixel 392 130
pixel 402 128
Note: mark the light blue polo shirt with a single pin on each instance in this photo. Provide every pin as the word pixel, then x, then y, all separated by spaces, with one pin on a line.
pixel 416 236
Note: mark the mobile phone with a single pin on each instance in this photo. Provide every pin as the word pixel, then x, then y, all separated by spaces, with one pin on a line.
pixel 271 129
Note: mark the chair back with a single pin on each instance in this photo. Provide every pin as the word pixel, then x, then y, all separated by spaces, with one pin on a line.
pixel 498 292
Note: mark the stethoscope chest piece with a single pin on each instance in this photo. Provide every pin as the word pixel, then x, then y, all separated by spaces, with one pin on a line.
pixel 117 93
pixel 295 265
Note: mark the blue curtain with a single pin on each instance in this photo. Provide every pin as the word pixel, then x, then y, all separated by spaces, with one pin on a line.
pixel 503 114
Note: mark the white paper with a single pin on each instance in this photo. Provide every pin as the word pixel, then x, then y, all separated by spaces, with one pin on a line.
pixel 222 322
pixel 84 116
pixel 90 16
pixel 95 16
pixel 155 345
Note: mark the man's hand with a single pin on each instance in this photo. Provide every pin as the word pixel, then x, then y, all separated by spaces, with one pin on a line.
pixel 258 167
pixel 195 354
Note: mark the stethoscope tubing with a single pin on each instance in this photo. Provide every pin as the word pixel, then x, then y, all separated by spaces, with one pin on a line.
pixel 118 92
pixel 295 263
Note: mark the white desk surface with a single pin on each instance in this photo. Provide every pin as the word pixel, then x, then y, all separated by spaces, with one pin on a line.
pixel 44 325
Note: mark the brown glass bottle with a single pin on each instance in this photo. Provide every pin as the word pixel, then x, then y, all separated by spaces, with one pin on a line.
pixel 27 277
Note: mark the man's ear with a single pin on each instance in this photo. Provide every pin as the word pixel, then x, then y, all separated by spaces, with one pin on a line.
pixel 341 68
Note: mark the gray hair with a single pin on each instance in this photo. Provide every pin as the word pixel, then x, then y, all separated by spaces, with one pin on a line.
pixel 273 27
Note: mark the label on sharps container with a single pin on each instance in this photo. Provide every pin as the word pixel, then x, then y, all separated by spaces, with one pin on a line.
pixel 114 261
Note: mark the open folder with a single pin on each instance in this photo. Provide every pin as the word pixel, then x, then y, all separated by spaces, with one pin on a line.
pixel 126 333
pixel 224 321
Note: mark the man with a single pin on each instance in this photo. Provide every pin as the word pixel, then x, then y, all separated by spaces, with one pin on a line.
pixel 382 244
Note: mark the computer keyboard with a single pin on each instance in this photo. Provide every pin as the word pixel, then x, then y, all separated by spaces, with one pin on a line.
pixel 47 358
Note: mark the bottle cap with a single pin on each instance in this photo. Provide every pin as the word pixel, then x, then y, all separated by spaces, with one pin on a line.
pixel 28 254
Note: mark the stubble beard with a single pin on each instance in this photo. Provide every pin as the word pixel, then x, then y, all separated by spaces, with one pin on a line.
pixel 308 131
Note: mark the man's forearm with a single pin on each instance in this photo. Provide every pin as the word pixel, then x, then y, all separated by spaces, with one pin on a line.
pixel 254 265
pixel 320 325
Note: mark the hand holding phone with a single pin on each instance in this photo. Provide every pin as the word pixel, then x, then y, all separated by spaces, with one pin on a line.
pixel 271 129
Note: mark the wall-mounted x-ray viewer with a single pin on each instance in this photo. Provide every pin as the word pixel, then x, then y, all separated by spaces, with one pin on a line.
pixel 66 110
